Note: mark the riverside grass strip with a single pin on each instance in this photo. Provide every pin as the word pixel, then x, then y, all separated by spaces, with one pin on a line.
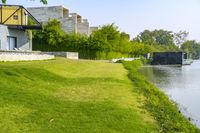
pixel 164 111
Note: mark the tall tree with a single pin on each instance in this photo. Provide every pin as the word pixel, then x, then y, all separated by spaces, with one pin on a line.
pixel 192 48
pixel 180 38
pixel 146 37
pixel 163 37
pixel 159 37
pixel 106 38
pixel 43 1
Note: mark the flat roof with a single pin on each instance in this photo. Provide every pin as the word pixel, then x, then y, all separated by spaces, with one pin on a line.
pixel 65 8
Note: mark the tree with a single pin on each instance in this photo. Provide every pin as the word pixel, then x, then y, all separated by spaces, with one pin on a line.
pixel 156 37
pixel 106 38
pixel 43 1
pixel 51 35
pixel 146 37
pixel 192 48
pixel 163 37
pixel 124 43
pixel 180 37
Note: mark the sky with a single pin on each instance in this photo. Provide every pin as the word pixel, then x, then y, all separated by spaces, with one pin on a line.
pixel 134 16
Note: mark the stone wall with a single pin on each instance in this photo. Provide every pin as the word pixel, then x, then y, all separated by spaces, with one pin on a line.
pixel 21 36
pixel 68 55
pixel 24 56
pixel 83 27
pixel 68 25
pixel 72 55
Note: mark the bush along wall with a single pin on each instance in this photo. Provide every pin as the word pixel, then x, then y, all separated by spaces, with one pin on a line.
pixel 105 43
pixel 108 42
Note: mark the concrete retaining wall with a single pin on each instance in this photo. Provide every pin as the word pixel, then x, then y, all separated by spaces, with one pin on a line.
pixel 68 55
pixel 72 55
pixel 24 56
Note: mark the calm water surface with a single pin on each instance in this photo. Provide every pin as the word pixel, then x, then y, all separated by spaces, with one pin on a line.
pixel 181 84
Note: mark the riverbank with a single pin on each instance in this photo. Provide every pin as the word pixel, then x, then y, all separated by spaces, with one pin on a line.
pixel 158 104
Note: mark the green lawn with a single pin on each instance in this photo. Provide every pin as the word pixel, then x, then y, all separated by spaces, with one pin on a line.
pixel 70 96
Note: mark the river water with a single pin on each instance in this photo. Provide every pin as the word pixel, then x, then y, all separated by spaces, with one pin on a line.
pixel 181 84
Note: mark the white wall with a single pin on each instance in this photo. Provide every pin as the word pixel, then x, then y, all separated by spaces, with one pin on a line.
pixel 83 28
pixel 43 14
pixel 68 25
pixel 22 38
pixel 13 56
pixel 3 37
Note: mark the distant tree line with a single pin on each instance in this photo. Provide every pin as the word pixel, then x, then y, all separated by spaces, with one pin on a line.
pixel 108 42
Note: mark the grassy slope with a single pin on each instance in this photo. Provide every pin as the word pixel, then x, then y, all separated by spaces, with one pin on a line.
pixel 158 104
pixel 69 96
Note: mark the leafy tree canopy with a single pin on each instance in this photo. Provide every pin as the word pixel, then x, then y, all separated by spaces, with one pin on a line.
pixel 180 37
pixel 105 38
pixel 159 37
pixel 192 48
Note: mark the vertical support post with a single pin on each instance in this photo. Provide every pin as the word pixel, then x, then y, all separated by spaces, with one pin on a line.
pixel 21 16
pixel 1 14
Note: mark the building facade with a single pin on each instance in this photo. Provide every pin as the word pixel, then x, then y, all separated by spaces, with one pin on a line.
pixel 13 26
pixel 13 39
pixel 13 15
pixel 71 22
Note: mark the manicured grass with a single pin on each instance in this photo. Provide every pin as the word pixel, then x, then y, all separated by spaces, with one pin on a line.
pixel 164 111
pixel 70 97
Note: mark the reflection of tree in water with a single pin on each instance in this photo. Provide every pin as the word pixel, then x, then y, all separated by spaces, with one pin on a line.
pixel 160 75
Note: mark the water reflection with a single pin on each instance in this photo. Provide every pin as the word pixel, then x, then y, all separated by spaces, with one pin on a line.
pixel 182 84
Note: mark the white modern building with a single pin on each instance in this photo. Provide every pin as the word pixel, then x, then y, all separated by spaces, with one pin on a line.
pixel 71 22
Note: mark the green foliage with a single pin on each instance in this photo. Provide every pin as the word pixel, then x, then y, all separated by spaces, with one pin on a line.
pixel 192 48
pixel 139 49
pixel 3 1
pixel 44 1
pixel 105 43
pixel 158 104
pixel 180 37
pixel 158 40
pixel 146 37
pixel 105 39
pixel 159 37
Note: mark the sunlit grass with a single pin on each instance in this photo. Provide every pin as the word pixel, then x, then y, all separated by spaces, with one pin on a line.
pixel 69 96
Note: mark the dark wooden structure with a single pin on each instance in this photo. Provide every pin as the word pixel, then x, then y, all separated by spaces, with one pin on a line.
pixel 168 58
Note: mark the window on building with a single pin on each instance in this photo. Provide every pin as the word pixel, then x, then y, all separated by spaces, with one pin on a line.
pixel 15 17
